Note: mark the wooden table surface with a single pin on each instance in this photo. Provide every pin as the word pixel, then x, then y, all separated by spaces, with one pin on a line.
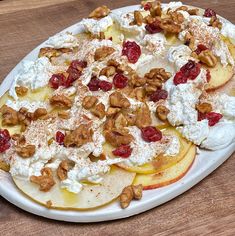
pixel 206 209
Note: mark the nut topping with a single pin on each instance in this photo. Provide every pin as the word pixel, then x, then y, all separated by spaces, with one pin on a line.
pixel 143 116
pixel 129 193
pixel 9 116
pixel 21 91
pixel 39 112
pixel 79 136
pixel 138 18
pixel 116 99
pixel 112 111
pixel 100 12
pixel 108 71
pixel 63 170
pixel 45 181
pixel 103 52
pixel 208 58
pixel 89 101
pixel 204 107
pixel 25 151
pixel 98 110
pixel 162 112
pixel 60 101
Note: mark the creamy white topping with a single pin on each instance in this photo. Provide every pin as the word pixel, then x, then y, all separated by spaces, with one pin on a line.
pixel 173 148
pixel 171 6
pixel 155 43
pixel 179 55
pixel 33 75
pixel 31 106
pixel 96 26
pixel 228 29
pixel 63 40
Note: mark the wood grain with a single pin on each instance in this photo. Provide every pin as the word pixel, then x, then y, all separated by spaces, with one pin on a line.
pixel 206 209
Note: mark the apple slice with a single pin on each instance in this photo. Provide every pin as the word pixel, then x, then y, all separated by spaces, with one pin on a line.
pixel 161 162
pixel 168 176
pixel 91 196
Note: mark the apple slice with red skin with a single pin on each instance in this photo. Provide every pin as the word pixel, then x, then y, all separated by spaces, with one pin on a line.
pixel 168 176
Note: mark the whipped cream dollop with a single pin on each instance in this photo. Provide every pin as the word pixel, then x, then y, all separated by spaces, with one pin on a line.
pixel 33 75
pixel 179 55
pixel 63 40
pixel 96 26
pixel 171 6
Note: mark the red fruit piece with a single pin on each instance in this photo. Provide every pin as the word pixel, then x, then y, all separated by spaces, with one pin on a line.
pixel 57 80
pixel 213 118
pixel 179 78
pixel 209 13
pixel 132 51
pixel 147 6
pixel 120 81
pixel 200 48
pixel 201 116
pixel 208 75
pixel 94 84
pixel 77 64
pixel 4 140
pixel 158 95
pixel 151 134
pixel 60 138
pixel 105 85
pixel 123 151
pixel 191 70
pixel 154 27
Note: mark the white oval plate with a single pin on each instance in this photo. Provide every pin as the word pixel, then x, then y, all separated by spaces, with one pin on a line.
pixel 205 163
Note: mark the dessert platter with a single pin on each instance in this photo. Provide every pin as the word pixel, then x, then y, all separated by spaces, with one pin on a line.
pixel 118 113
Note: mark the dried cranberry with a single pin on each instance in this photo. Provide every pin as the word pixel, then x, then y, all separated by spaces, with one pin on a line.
pixel 120 81
pixel 200 48
pixel 147 6
pixel 74 73
pixel 4 140
pixel 154 27
pixel 105 85
pixel 57 80
pixel 151 134
pixel 60 138
pixel 123 151
pixel 209 13
pixel 191 70
pixel 201 116
pixel 208 75
pixel 132 51
pixel 179 78
pixel 77 63
pixel 213 118
pixel 158 95
pixel 94 84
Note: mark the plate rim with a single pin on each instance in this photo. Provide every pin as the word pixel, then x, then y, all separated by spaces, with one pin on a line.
pixel 171 191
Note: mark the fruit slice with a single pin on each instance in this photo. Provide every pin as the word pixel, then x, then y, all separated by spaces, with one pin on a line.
pixel 161 162
pixel 91 196
pixel 169 175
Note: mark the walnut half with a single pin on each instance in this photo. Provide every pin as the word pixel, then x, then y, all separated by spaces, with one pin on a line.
pixel 208 58
pixel 25 151
pixel 99 12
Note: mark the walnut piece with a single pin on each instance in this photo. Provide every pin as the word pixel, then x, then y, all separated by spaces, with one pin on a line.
pixel 103 52
pixel 60 101
pixel 193 12
pixel 208 58
pixel 89 101
pixel 162 112
pixel 62 170
pixel 176 17
pixel 4 166
pixel 99 12
pixel 215 22
pixel 21 91
pixel 108 125
pixel 169 26
pixel 39 112
pixel 99 110
pixel 112 111
pixel 136 80
pixel 53 52
pixel 138 18
pixel 79 136
pixel 118 137
pixel 45 180
pixel 143 116
pixel 108 71
pixel 25 151
pixel 129 193
pixel 63 115
pixel 120 121
pixel 204 107
pixel 9 116
pixel 116 99
pixel 49 204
